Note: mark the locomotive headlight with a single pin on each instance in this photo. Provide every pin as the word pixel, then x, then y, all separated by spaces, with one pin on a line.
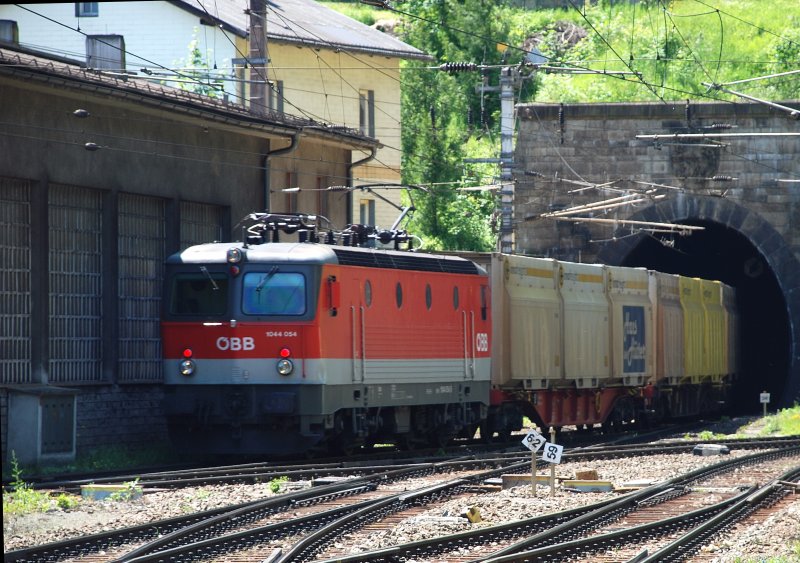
pixel 187 367
pixel 285 366
pixel 234 255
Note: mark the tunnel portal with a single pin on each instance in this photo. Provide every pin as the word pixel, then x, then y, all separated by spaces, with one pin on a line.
pixel 743 260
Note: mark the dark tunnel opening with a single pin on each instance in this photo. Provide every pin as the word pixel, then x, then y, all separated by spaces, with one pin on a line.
pixel 721 253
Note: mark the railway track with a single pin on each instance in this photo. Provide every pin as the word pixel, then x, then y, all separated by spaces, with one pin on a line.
pixel 317 515
pixel 264 472
pixel 634 528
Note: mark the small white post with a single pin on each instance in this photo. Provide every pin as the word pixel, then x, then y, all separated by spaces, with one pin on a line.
pixel 552 465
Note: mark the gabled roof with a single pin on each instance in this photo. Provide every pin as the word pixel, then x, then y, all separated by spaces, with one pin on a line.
pixel 308 23
pixel 24 65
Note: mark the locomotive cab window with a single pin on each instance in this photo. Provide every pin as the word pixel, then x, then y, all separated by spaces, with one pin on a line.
pixel 274 293
pixel 202 294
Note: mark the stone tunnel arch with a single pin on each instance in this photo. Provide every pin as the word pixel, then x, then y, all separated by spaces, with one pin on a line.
pixel 741 249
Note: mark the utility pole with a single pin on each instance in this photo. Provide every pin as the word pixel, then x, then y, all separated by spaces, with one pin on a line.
pixel 257 55
pixel 507 79
pixel 509 76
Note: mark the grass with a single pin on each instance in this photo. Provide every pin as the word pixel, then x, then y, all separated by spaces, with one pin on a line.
pixel 276 483
pixel 23 499
pixel 363 13
pixel 785 422
pixel 793 558
pixel 109 458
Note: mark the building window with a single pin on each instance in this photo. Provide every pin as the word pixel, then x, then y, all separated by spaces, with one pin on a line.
pixel 87 9
pixel 366 112
pixel 105 52
pixel 367 212
pixel 275 96
pixel 9 31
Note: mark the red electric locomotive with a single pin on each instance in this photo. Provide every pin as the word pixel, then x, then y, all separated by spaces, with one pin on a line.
pixel 283 348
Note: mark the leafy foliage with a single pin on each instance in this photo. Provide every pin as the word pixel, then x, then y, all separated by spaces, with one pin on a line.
pixel 197 75
pixel 23 499
pixel 276 483
pixel 666 48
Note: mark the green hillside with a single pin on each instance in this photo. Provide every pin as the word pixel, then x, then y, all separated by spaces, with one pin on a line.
pixel 650 50
pixel 674 46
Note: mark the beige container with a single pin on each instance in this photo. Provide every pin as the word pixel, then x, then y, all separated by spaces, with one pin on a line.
pixel 526 311
pixel 587 360
pixel 632 350
pixel 667 326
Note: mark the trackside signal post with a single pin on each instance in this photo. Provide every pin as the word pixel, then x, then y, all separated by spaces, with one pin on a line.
pixel 551 454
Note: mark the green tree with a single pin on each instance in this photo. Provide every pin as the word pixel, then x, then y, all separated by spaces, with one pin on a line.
pixel 196 75
pixel 441 110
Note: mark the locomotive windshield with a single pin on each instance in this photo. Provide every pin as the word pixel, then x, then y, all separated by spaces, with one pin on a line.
pixel 274 293
pixel 202 294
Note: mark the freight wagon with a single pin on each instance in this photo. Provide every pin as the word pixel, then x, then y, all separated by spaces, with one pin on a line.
pixel 290 347
pixel 586 344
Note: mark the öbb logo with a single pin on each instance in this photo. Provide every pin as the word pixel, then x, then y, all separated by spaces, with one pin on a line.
pixel 235 343
pixel 482 342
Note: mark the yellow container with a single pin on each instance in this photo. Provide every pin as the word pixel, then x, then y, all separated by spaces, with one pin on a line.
pixel 693 328
pixel 731 331
pixel 715 330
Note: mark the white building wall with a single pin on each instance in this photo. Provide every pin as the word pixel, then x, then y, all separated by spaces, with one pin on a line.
pixel 157 34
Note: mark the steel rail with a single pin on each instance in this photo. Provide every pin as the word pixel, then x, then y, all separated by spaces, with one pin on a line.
pixel 688 543
pixel 582 518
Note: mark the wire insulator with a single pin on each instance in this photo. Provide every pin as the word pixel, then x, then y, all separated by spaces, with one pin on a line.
pixel 723 178
pixel 452 68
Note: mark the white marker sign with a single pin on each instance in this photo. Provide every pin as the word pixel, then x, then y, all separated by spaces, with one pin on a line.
pixel 533 441
pixel 764 397
pixel 552 453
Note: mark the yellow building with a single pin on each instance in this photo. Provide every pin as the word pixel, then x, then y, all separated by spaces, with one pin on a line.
pixel 328 67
